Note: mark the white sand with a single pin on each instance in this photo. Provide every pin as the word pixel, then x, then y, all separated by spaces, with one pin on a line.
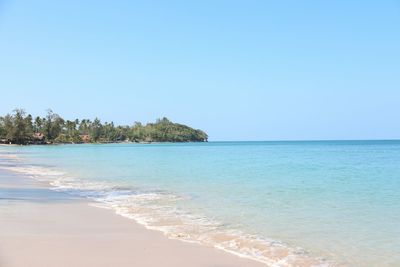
pixel 43 228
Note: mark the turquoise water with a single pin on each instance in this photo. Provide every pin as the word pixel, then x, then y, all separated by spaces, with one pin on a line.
pixel 322 203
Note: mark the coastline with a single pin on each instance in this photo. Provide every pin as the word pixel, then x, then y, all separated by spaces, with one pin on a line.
pixel 43 227
pixel 101 143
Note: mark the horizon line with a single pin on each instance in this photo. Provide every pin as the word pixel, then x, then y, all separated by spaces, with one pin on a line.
pixel 307 140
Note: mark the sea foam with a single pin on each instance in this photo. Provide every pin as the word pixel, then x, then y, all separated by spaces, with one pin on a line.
pixel 158 210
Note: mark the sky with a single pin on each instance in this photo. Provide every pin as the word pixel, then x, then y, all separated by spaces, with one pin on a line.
pixel 240 70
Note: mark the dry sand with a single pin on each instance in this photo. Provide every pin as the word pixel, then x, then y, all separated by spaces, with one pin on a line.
pixel 43 228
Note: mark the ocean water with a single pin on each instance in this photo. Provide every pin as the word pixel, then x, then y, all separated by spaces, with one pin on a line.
pixel 320 203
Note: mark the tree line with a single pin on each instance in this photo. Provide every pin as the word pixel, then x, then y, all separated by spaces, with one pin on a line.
pixel 21 128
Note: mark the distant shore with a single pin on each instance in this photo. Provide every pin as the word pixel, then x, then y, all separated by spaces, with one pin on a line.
pixel 42 227
pixel 100 143
pixel 21 128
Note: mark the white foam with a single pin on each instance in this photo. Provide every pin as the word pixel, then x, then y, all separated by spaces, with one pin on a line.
pixel 158 211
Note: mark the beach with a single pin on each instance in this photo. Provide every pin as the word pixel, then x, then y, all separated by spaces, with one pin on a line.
pixel 280 204
pixel 40 227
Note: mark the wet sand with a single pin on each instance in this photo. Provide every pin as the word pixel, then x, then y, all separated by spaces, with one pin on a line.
pixel 42 228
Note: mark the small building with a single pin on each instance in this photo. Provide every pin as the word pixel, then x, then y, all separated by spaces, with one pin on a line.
pixel 85 138
pixel 38 136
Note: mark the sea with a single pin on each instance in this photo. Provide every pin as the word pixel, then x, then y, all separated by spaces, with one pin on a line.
pixel 283 203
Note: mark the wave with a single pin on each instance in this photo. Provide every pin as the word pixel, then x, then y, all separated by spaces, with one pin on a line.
pixel 159 210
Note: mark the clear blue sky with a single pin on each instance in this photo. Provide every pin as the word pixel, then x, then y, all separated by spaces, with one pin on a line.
pixel 241 70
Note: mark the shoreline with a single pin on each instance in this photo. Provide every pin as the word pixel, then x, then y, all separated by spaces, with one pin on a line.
pixel 44 227
pixel 231 242
pixel 101 143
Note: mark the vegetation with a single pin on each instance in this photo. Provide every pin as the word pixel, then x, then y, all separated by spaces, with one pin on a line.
pixel 21 128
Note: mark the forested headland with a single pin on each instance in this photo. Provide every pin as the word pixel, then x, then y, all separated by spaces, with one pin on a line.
pixel 22 128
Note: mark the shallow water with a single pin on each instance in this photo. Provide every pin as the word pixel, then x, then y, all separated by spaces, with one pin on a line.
pixel 323 203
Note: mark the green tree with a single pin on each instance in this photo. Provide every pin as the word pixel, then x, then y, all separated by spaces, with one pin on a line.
pixel 3 131
pixel 53 125
pixel 29 125
pixel 9 128
pixel 21 132
pixel 84 126
pixel 109 133
pixel 38 125
pixel 137 132
pixel 96 130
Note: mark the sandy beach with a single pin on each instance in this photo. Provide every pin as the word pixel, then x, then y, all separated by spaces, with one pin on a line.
pixel 40 227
